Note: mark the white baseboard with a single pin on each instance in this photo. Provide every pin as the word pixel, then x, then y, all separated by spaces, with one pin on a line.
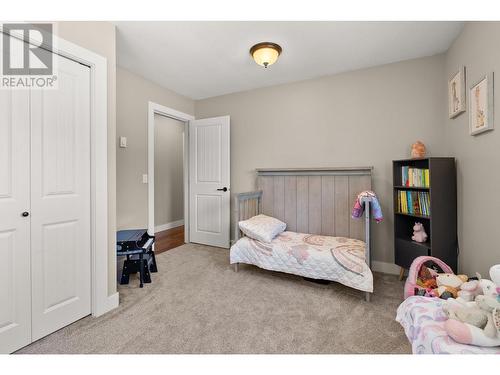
pixel 170 225
pixel 384 267
pixel 109 304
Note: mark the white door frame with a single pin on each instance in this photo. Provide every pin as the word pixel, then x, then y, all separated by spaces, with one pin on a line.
pixel 101 301
pixel 155 108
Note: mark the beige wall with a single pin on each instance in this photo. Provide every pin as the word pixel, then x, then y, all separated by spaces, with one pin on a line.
pixel 133 95
pixel 169 183
pixel 99 37
pixel 366 117
pixel 478 157
pixel 361 118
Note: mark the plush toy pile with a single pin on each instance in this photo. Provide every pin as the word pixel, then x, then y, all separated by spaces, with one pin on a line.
pixel 474 316
pixel 446 285
pixel 472 304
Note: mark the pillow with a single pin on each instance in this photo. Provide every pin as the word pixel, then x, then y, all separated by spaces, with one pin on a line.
pixel 262 228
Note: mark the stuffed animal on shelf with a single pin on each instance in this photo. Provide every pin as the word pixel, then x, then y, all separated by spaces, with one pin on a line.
pixel 418 150
pixel 477 322
pixel 419 234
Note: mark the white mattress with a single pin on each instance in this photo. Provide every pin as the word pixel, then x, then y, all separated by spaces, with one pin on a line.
pixel 319 257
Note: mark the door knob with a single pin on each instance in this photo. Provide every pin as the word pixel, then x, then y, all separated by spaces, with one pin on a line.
pixel 223 189
pixel 25 214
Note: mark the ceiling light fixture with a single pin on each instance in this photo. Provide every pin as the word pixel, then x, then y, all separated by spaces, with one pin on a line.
pixel 265 53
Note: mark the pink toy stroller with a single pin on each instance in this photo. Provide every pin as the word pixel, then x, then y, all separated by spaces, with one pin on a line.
pixel 438 265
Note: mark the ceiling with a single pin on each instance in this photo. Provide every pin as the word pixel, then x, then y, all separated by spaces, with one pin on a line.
pixel 205 59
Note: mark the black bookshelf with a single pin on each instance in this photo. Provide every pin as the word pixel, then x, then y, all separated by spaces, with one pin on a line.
pixel 440 225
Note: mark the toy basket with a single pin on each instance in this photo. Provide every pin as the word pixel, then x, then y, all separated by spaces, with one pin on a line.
pixel 419 262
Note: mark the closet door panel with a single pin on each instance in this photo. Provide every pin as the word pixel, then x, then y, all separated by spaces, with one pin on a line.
pixel 15 288
pixel 60 198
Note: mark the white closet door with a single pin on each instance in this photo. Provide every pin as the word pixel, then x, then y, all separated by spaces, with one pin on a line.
pixel 15 288
pixel 60 200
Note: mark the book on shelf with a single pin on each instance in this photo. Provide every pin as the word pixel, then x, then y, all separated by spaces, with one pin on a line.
pixel 414 177
pixel 414 202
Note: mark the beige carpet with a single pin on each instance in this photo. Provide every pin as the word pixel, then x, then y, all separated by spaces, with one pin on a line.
pixel 197 304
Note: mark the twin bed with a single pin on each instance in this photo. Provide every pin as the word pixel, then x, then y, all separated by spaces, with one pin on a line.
pixel 322 240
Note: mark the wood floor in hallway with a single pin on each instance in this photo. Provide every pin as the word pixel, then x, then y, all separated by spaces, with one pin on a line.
pixel 169 239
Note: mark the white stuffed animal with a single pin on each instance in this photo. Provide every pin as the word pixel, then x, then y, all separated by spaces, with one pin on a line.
pixel 469 291
pixel 495 276
pixel 478 322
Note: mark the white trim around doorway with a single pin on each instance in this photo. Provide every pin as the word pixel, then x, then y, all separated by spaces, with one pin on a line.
pixel 155 108
pixel 167 226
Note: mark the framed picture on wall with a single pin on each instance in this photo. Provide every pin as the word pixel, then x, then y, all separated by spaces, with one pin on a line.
pixel 456 93
pixel 481 105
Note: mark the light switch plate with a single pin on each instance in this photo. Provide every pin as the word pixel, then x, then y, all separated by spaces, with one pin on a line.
pixel 144 178
pixel 123 142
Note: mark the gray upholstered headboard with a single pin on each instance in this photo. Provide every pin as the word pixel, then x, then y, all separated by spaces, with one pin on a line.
pixel 312 200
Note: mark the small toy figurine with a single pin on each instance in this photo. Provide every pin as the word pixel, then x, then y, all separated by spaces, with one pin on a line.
pixel 418 150
pixel 419 234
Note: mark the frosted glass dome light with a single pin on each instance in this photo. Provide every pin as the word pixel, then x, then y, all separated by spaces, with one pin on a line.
pixel 265 53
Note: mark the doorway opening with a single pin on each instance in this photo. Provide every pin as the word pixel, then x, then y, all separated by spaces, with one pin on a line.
pixel 168 199
pixel 168 183
pixel 206 176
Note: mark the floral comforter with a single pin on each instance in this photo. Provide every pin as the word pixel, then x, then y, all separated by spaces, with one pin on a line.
pixel 423 321
pixel 319 257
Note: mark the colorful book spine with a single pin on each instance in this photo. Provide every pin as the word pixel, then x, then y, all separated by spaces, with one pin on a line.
pixel 413 202
pixel 414 177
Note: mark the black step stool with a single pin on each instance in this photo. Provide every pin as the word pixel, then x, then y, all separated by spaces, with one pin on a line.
pixel 137 246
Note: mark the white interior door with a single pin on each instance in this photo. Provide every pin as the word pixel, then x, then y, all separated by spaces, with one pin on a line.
pixel 15 288
pixel 209 181
pixel 60 200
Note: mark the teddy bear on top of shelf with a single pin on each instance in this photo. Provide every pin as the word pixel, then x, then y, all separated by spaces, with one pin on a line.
pixel 418 150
